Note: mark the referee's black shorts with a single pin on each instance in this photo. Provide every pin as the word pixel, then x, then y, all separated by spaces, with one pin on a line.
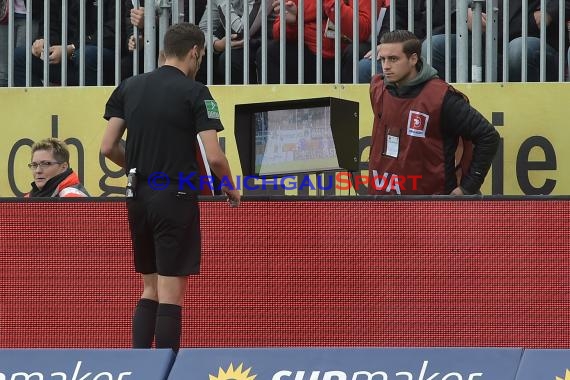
pixel 165 231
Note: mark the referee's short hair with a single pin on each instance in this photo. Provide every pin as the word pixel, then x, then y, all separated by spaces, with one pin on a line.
pixel 181 38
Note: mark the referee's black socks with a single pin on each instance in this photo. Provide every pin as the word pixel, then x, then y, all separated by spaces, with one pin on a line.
pixel 168 326
pixel 144 322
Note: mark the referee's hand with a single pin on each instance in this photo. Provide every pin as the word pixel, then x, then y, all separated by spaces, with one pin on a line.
pixel 234 196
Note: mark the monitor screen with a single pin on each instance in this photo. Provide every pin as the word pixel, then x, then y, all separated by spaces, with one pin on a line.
pixel 294 141
pixel 297 136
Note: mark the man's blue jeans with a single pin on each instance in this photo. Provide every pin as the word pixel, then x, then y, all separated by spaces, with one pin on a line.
pixel 533 60
pixel 365 69
pixel 515 59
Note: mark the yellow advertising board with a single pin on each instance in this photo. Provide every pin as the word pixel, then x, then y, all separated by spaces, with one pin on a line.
pixel 534 156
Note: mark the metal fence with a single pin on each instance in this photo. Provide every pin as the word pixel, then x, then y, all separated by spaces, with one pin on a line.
pixel 472 39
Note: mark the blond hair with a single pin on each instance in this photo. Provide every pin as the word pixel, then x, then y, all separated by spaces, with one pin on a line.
pixel 56 146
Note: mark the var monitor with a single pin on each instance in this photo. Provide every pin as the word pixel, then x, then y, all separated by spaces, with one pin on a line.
pixel 297 136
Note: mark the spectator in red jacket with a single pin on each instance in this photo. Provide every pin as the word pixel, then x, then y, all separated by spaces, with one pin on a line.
pixel 310 38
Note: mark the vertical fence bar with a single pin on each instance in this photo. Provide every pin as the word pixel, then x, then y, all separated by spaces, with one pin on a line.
pixel 411 10
pixel 10 52
pixel 524 23
pixel 29 41
pixel 448 41
pixel 393 5
pixel 563 28
pixel 192 12
pixel 462 42
pixel 491 41
pixel 210 45
pixel 246 39
pixel 136 69
pixel 228 52
pixel 100 21
pixel 542 64
pixel 319 36
pixel 64 16
pixel 282 42
pixel 356 37
pixel 476 45
pixel 165 15
pixel 47 43
pixel 264 36
pixel 337 41
pixel 149 35
pixel 118 38
pixel 505 41
pixel 373 37
pixel 429 29
pixel 81 57
pixel 301 41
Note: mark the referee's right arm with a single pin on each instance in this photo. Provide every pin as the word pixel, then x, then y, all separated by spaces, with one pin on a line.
pixel 219 164
pixel 111 146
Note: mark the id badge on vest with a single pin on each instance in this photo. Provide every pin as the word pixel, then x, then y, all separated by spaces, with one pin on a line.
pixel 392 143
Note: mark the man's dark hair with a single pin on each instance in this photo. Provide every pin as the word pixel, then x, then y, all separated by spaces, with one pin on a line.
pixel 411 43
pixel 181 38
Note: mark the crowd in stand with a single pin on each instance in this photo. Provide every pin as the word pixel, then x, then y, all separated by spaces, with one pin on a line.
pixel 50 47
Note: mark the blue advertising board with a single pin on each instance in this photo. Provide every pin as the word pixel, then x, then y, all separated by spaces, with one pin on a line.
pixel 52 364
pixel 347 363
pixel 544 365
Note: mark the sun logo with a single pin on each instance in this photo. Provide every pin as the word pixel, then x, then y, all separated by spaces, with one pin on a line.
pixel 235 374
pixel 566 377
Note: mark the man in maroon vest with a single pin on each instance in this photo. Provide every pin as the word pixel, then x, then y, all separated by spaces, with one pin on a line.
pixel 426 139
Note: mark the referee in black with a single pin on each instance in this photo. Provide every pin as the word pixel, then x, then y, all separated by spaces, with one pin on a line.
pixel 164 111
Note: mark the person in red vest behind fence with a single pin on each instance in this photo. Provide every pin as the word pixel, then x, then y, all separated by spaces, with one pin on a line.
pixel 52 175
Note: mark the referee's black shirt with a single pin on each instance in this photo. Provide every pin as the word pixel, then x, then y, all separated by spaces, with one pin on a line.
pixel 163 110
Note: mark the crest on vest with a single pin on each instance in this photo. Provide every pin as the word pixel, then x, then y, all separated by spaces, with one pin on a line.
pixel 417 124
